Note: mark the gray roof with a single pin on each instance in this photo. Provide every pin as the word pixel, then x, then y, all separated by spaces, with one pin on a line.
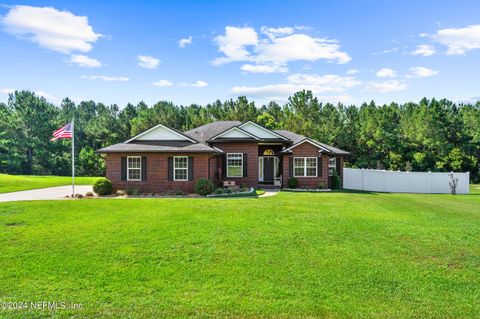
pixel 296 138
pixel 163 147
pixel 205 132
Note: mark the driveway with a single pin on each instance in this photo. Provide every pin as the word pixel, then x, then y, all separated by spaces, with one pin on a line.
pixel 58 192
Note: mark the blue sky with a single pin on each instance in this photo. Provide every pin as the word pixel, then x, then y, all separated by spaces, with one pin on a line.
pixel 348 51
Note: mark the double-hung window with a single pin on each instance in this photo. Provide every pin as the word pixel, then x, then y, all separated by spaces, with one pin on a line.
pixel 234 165
pixel 180 168
pixel 134 168
pixel 305 167
pixel 332 165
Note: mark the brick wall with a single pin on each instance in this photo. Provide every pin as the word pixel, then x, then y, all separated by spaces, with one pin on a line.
pixel 306 150
pixel 157 172
pixel 252 161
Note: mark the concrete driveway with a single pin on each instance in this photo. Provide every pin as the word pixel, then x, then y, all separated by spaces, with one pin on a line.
pixel 58 192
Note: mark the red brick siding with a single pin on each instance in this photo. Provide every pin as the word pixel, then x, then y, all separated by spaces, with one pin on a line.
pixel 306 150
pixel 157 172
pixel 252 161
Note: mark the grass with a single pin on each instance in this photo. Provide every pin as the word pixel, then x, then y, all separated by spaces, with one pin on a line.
pixel 260 192
pixel 14 183
pixel 293 255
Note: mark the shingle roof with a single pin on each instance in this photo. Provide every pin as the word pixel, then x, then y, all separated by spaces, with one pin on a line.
pixel 164 146
pixel 296 138
pixel 202 134
pixel 205 132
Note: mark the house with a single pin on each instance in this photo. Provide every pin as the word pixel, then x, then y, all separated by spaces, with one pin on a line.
pixel 163 159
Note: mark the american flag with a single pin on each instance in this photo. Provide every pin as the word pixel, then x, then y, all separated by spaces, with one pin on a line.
pixel 64 132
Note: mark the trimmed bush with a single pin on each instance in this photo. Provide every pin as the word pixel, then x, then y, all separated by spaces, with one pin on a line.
pixel 321 185
pixel 335 180
pixel 292 182
pixel 103 186
pixel 204 187
pixel 132 191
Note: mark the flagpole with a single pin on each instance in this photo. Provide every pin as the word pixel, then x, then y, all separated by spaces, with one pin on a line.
pixel 73 158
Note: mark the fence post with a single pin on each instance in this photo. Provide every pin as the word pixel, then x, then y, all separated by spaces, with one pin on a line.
pixel 363 173
pixel 385 180
pixel 430 181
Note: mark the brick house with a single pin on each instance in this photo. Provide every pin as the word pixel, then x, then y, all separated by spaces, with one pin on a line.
pixel 163 159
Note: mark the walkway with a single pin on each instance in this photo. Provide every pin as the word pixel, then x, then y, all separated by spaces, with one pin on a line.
pixel 58 192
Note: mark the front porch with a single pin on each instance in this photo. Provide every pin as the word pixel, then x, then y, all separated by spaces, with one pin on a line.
pixel 269 165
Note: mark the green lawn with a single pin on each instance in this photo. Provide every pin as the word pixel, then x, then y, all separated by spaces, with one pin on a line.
pixel 13 183
pixel 294 255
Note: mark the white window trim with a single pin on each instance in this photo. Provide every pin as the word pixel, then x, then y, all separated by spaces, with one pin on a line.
pixel 175 168
pixel 305 166
pixel 241 165
pixel 334 165
pixel 128 169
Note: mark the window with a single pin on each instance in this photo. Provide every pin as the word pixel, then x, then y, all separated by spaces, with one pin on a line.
pixel 180 168
pixel 305 166
pixel 234 165
pixel 134 168
pixel 332 165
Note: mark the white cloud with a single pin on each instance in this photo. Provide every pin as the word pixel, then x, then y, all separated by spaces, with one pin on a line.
pixel 6 91
pixel 184 42
pixel 148 62
pixel 50 28
pixel 296 82
pixel 46 96
pixel 105 78
pixel 386 73
pixel 424 50
pixel 199 84
pixel 275 32
pixel 263 68
pixel 276 48
pixel 421 71
pixel 459 40
pixel 385 86
pixel 84 61
pixel 162 83
pixel 234 44
pixel 352 71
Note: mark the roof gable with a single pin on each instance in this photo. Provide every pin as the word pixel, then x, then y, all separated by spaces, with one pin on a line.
pixel 307 140
pixel 235 133
pixel 161 132
pixel 260 131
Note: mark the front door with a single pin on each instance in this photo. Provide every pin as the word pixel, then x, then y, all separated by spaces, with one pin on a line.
pixel 268 167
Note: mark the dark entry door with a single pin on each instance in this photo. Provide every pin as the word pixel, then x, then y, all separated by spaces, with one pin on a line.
pixel 268 169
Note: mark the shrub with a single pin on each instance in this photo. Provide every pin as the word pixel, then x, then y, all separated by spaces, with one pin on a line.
pixel 204 186
pixel 292 182
pixel 132 191
pixel 103 186
pixel 179 192
pixel 321 185
pixel 219 191
pixel 335 180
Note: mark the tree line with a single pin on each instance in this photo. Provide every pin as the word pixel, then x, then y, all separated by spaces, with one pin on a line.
pixel 431 135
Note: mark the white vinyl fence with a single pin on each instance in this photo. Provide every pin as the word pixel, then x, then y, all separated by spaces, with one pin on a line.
pixel 403 182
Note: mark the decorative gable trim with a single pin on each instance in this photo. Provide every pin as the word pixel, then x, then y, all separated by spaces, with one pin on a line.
pixel 307 140
pixel 264 129
pixel 235 128
pixel 181 135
